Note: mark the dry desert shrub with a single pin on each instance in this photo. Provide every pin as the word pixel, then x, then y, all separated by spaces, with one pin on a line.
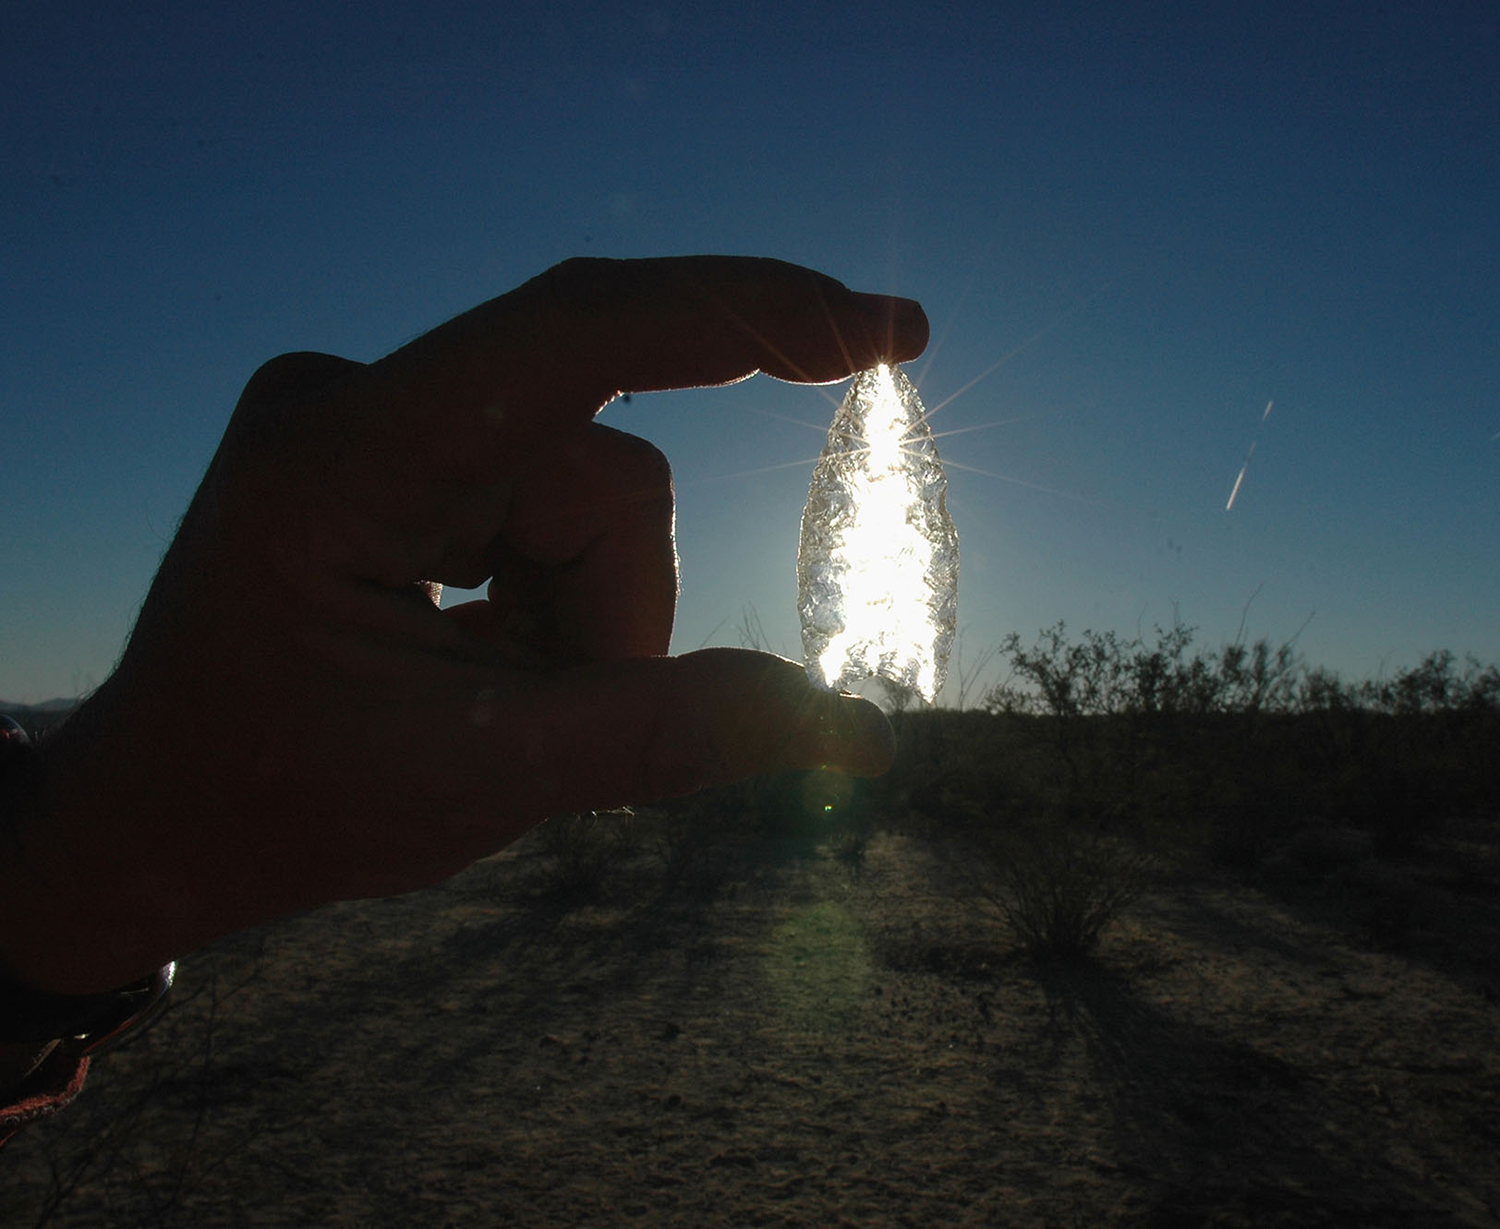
pixel 849 837
pixel 698 842
pixel 578 851
pixel 1058 889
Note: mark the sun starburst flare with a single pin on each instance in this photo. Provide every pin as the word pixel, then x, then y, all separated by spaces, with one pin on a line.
pixel 877 570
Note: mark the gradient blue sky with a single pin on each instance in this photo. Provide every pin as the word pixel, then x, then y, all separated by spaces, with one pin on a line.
pixel 1137 224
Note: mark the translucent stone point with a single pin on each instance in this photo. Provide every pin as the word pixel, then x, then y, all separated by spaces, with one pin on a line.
pixel 877 569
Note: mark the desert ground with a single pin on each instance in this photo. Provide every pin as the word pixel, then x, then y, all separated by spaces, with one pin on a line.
pixel 803 1033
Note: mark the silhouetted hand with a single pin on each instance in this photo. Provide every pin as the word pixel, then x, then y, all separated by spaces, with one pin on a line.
pixel 295 721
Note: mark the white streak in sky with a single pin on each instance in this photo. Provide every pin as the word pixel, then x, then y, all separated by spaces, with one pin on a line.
pixel 1240 479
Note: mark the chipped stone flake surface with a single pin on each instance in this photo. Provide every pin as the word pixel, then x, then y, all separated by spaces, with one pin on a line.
pixel 877 570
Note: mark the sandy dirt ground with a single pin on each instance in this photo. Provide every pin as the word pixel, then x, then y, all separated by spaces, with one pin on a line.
pixel 817 1043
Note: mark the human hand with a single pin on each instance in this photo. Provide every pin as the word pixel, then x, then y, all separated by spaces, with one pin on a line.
pixel 295 721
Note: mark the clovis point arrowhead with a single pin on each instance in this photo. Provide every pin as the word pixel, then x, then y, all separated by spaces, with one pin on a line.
pixel 877 569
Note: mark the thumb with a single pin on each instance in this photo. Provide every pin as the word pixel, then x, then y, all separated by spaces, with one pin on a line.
pixel 650 728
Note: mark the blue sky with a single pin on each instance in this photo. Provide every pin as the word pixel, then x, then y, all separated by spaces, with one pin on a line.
pixel 1166 215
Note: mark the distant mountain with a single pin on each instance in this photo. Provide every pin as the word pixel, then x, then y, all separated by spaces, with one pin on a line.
pixel 37 719
pixel 46 706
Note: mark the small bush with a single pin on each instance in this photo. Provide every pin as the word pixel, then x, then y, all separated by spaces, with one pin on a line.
pixel 849 837
pixel 1058 890
pixel 579 850
pixel 697 841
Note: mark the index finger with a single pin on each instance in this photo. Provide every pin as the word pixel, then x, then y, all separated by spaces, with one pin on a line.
pixel 552 352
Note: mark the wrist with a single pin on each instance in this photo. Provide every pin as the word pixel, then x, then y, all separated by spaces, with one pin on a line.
pixel 68 923
pixel 39 1027
pixel 19 779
